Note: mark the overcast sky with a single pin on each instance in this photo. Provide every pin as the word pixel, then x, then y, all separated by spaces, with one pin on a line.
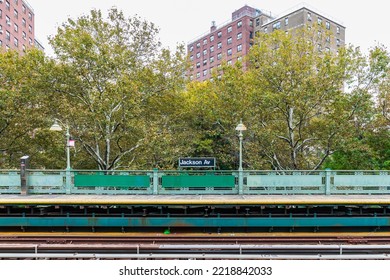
pixel 181 21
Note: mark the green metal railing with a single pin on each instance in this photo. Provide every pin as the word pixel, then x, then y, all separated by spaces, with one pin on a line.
pixel 325 182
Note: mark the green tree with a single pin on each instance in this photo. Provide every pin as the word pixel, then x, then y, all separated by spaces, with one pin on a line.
pixel 114 85
pixel 22 107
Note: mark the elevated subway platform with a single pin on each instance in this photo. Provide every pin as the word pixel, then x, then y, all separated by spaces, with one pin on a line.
pixel 195 200
pixel 199 212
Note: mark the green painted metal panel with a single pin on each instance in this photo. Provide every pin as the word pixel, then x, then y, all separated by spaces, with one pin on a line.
pixel 362 180
pixel 194 222
pixel 284 180
pixel 207 181
pixel 112 181
pixel 45 180
pixel 9 180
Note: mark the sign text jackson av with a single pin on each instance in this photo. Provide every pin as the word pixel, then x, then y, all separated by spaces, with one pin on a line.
pixel 196 162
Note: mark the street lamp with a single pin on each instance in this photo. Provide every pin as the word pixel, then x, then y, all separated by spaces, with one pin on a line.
pixel 57 127
pixel 240 128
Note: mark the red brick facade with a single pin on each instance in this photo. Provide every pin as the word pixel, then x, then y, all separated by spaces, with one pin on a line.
pixel 230 42
pixel 16 25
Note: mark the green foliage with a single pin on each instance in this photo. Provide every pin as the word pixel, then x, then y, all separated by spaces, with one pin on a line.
pixel 128 104
pixel 22 106
pixel 114 85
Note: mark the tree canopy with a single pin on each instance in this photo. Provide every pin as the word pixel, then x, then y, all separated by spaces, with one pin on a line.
pixel 128 104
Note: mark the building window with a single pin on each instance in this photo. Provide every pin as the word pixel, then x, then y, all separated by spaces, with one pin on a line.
pixel 327 25
pixel 212 49
pixel 205 72
pixel 319 21
pixel 204 52
pixel 229 62
pixel 191 48
pixel 219 45
pixel 265 29
pixel 338 42
pixel 16 27
pixel 204 61
pixel 286 21
pixel 30 41
pixel 7 35
pixel 219 56
pixel 191 57
pixel 15 13
pixel 30 28
pixel 7 5
pixel 24 8
pixel 338 29
pixel 229 52
pixel 212 59
pixel 211 38
pixel 327 39
pixel 29 15
pixel 239 58
pixel 239 48
pixel 1 13
pixel 309 16
pixel 239 24
pixel 1 43
pixel 198 45
pixel 8 20
pixel 327 49
pixel 198 65
pixel 229 40
pixel 16 42
pixel 219 34
pixel 258 22
pixel 24 22
pixel 276 25
pixel 239 36
pixel 197 54
pixel 198 75
pixel 205 42
pixel 250 23
pixel 230 29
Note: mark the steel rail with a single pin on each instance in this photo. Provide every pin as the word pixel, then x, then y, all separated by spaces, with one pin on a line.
pixel 216 239
pixel 46 256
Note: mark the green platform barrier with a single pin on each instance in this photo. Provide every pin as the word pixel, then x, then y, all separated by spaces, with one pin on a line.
pixel 112 181
pixel 210 181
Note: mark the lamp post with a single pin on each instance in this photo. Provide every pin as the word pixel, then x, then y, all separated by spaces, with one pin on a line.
pixel 57 127
pixel 240 128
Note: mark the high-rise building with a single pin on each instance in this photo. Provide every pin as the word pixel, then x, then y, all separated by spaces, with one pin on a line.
pixel 232 41
pixel 16 25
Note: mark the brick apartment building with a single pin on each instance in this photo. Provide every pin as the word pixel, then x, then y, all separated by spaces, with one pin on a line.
pixel 232 41
pixel 16 25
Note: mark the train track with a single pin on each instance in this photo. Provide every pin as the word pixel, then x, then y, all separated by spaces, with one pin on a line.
pixel 195 247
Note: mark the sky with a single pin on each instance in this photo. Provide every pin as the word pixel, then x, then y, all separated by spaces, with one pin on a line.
pixel 181 21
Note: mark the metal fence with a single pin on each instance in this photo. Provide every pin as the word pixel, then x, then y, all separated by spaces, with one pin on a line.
pixel 325 182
